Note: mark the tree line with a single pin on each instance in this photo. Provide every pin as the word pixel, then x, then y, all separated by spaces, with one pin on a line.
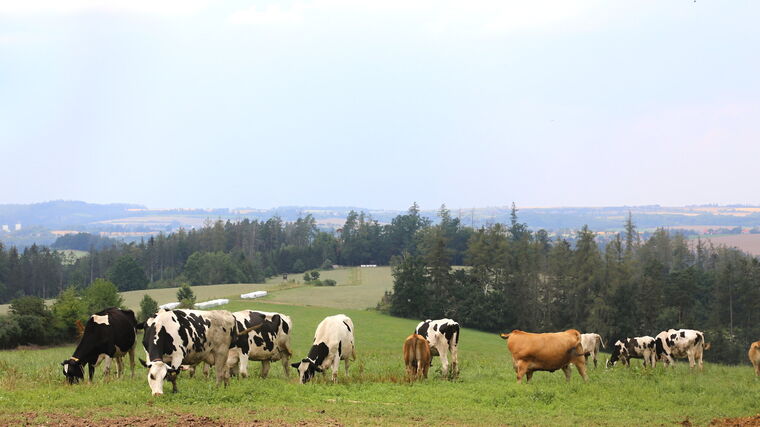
pixel 516 278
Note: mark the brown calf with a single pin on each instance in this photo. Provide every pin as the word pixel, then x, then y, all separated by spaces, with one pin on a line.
pixel 754 356
pixel 546 352
pixel 416 356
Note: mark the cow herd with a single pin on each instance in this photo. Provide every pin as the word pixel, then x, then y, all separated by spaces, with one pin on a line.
pixel 178 340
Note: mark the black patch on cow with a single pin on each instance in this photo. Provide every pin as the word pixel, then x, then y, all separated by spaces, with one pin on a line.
pixel 673 336
pixel 448 330
pixel 318 353
pixel 683 334
pixel 285 327
pixel 659 347
pixel 347 327
pixel 258 341
pixel 98 338
pixel 435 327
pixel 340 348
pixel 423 329
pixel 698 339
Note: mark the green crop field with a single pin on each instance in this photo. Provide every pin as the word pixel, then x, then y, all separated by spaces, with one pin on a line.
pixel 33 391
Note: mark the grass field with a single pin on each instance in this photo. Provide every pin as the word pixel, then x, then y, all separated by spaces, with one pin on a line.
pixel 32 388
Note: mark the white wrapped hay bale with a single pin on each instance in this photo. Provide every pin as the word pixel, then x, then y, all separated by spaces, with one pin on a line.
pixel 212 303
pixel 169 305
pixel 254 294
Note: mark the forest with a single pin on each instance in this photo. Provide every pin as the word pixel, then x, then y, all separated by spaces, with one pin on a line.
pixel 497 277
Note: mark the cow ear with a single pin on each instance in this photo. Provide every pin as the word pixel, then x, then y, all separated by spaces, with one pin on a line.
pixel 142 362
pixel 63 363
pixel 295 365
pixel 318 369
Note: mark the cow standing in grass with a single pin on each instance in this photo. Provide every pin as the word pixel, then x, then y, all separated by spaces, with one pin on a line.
pixel 546 352
pixel 269 343
pixel 174 338
pixel 107 334
pixel 333 342
pixel 591 343
pixel 754 356
pixel 443 337
pixel 681 344
pixel 633 348
pixel 416 356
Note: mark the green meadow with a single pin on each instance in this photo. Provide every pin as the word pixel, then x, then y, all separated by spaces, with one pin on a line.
pixel 32 388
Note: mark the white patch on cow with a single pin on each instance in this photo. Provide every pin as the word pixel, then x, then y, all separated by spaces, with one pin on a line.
pixel 103 320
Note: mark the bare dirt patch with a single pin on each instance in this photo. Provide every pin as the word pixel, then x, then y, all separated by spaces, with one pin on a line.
pixel 741 421
pixel 175 419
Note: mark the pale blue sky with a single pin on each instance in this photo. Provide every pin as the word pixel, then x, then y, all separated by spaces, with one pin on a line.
pixel 378 104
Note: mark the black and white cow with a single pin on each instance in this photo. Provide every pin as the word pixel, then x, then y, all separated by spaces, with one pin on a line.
pixel 269 343
pixel 174 338
pixel 443 337
pixel 681 344
pixel 633 348
pixel 333 342
pixel 107 334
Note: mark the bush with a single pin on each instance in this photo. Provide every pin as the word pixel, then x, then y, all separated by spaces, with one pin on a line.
pixel 327 265
pixel 148 307
pixel 100 295
pixel 186 296
pixel 329 282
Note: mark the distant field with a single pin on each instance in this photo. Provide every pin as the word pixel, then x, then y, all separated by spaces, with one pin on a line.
pixel 357 288
pixel 749 243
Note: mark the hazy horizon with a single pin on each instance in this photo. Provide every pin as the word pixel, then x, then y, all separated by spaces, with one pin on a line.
pixel 377 105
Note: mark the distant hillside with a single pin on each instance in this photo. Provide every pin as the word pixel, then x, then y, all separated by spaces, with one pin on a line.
pixel 42 223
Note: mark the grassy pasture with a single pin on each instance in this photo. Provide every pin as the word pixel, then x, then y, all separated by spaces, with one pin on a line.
pixel 32 388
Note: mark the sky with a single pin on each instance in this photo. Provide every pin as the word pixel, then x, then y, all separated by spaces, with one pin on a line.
pixel 378 104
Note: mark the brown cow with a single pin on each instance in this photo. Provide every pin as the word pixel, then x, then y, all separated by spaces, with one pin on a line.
pixel 416 356
pixel 546 352
pixel 754 356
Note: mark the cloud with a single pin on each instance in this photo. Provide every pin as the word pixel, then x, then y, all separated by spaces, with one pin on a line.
pixel 70 7
pixel 475 17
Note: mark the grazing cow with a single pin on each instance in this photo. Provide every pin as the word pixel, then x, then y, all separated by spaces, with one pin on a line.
pixel 271 342
pixel 754 356
pixel 633 348
pixel 333 342
pixel 681 343
pixel 591 343
pixel 443 337
pixel 416 356
pixel 108 334
pixel 546 352
pixel 176 337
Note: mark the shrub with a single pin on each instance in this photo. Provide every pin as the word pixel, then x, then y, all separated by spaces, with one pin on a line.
pixel 329 282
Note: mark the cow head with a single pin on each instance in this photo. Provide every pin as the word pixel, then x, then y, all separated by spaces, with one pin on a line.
pixel 619 352
pixel 306 369
pixel 158 372
pixel 73 369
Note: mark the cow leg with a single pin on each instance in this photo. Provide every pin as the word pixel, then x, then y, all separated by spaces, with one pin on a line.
pixel 335 368
pixel 521 369
pixel 424 367
pixel 528 376
pixel 454 359
pixel 581 370
pixel 119 367
pixel 243 364
pixel 132 362
pixel 346 362
pixel 594 354
pixel 264 368
pixel 690 355
pixel 286 364
pixel 444 361
pixel 222 374
pixel 757 368
pixel 566 370
pixel 91 370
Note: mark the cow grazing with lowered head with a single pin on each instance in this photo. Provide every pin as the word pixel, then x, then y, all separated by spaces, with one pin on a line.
pixel 443 337
pixel 269 343
pixel 416 356
pixel 174 338
pixel 591 343
pixel 333 342
pixel 754 356
pixel 633 348
pixel 546 352
pixel 107 334
pixel 680 344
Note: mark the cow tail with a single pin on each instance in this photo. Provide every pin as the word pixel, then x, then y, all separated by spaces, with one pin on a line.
pixel 601 341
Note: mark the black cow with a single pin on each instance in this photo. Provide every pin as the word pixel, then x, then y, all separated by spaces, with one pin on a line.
pixel 108 334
